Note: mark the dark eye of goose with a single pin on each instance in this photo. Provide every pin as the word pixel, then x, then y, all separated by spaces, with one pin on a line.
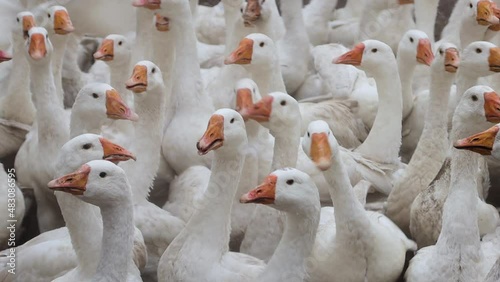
pixel 470 5
pixel 120 43
pixel 87 146
pixel 241 10
pixel 308 134
pixel 441 52
pixel 474 98
pixel 232 120
pixel 153 70
pixel 95 95
pixel 261 44
pixel 17 19
pixel 102 174
pixel 374 50
pixel 411 39
pixel 48 15
pixel 283 103
pixel 289 181
pixel 478 50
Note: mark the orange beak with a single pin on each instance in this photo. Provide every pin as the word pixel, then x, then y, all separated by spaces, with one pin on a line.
pixel 486 14
pixel 62 23
pixel 213 138
pixel 4 56
pixel 494 59
pixel 404 2
pixel 115 153
pixel 28 23
pixel 37 48
pixel 321 154
pixel 149 4
pixel 116 108
pixel 492 107
pixel 242 55
pixel 260 111
pixel 264 194
pixel 352 57
pixel 138 82
pixel 424 52
pixel 106 51
pixel 74 183
pixel 481 143
pixel 162 23
pixel 243 101
pixel 451 60
pixel 252 12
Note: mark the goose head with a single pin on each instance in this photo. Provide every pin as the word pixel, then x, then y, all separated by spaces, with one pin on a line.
pixel 4 56
pixel 247 92
pixel 58 20
pixel 319 144
pixel 225 133
pixel 87 147
pixel 478 105
pixel 38 45
pixel 485 143
pixel 447 58
pixel 100 101
pixel 161 22
pixel 256 10
pixel 146 76
pixel 480 58
pixel 97 182
pixel 148 4
pixel 415 47
pixel 254 49
pixel 482 11
pixel 278 112
pixel 288 190
pixel 368 56
pixel 114 49
pixel 25 21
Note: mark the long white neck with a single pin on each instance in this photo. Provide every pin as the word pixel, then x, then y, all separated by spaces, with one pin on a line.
pixel 384 140
pixel 425 13
pixel 291 13
pixel 295 246
pixel 268 76
pixel 119 73
pixel 50 114
pixel 273 26
pixel 471 31
pixel 117 241
pixel 59 43
pixel 80 124
pixel 164 56
pixel 348 210
pixel 144 26
pixel 235 29
pixel 465 80
pixel 187 86
pixel 17 105
pixel 214 230
pixel 406 70
pixel 147 141
pixel 286 146
pixel 323 8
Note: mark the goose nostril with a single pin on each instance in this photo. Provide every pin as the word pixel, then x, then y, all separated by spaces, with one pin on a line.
pixel 69 179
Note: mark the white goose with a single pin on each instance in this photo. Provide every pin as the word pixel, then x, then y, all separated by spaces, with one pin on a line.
pixel 316 15
pixel 379 250
pixel 264 16
pixel 476 109
pixel 258 54
pixel 200 251
pixel 105 185
pixel 459 254
pixel 16 109
pixel 431 149
pixel 35 160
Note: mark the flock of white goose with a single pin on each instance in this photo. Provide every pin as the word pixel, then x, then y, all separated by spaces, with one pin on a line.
pixel 245 143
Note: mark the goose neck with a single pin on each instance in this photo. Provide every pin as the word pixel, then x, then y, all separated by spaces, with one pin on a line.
pixel 286 146
pixel 59 43
pixel 406 71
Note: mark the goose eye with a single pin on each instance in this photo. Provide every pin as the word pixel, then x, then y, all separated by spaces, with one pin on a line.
pixel 48 15
pixel 120 43
pixel 17 19
pixel 289 181
pixel 46 36
pixel 232 120
pixel 283 103
pixel 308 134
pixel 470 5
pixel 474 98
pixel 87 146
pixel 441 52
pixel 153 70
pixel 478 50
pixel 241 10
pixel 411 39
pixel 374 50
pixel 102 174
pixel 261 44
pixel 253 90
pixel 95 95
